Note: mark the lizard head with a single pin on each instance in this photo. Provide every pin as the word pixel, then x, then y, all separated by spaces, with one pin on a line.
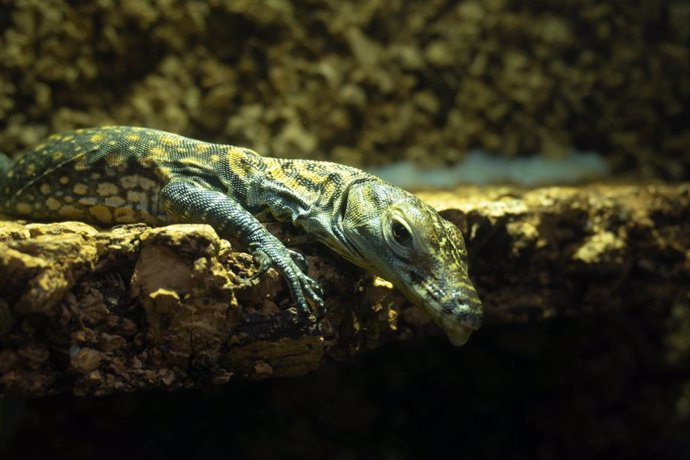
pixel 404 240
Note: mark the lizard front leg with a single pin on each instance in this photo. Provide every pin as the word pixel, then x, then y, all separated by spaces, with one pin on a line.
pixel 189 202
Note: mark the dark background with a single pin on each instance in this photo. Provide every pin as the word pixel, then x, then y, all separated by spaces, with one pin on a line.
pixel 605 386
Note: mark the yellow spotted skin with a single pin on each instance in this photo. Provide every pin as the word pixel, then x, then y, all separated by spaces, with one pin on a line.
pixel 119 174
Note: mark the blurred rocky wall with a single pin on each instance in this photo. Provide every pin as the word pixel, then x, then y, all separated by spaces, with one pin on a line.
pixel 363 82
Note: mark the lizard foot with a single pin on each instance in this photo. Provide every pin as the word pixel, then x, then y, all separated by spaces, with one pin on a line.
pixel 292 266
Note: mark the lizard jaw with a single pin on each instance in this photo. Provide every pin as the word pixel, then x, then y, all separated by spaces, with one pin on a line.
pixel 458 334
pixel 458 314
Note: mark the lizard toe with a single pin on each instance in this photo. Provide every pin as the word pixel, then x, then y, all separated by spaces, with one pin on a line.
pixel 299 259
pixel 313 291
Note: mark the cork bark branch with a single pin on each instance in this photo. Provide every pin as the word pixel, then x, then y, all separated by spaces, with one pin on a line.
pixel 95 311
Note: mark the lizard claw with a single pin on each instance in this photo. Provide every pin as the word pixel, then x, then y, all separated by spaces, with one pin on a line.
pixel 262 261
pixel 299 259
pixel 293 266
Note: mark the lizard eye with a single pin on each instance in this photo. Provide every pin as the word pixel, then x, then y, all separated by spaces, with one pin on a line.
pixel 400 233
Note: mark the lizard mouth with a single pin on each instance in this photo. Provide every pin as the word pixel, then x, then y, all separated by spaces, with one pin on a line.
pixel 458 315
pixel 458 333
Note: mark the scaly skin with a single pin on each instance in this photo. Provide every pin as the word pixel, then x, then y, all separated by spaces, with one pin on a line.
pixel 118 174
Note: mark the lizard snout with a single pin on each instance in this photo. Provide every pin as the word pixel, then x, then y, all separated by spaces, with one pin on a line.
pixel 467 310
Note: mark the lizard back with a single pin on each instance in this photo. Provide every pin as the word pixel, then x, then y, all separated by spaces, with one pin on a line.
pixel 113 175
pixel 102 175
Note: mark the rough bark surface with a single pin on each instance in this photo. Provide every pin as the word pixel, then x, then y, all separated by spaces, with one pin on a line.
pixel 91 311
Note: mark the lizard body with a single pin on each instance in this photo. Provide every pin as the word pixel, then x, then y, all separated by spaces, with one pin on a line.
pixel 118 174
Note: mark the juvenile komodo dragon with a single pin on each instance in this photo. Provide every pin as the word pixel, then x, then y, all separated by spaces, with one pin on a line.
pixel 118 174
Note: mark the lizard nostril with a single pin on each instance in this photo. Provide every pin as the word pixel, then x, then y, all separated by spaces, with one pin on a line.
pixel 468 310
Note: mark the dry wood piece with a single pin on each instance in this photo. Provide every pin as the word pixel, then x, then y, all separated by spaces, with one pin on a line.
pixel 91 311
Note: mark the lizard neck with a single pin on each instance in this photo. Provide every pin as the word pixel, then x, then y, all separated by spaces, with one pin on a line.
pixel 303 191
pixel 309 194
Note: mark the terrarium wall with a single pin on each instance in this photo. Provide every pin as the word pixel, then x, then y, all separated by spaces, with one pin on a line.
pixel 365 82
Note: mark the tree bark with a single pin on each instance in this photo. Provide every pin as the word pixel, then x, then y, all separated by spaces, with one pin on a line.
pixel 92 312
